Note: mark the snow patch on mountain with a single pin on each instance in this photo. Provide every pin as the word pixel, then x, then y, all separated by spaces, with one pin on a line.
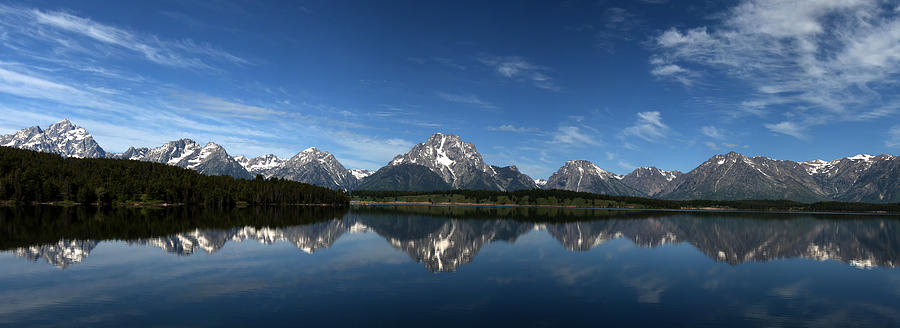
pixel 360 174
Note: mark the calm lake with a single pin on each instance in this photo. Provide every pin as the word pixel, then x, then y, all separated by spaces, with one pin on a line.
pixel 445 266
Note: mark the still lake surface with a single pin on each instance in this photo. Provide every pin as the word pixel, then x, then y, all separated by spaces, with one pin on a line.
pixel 445 266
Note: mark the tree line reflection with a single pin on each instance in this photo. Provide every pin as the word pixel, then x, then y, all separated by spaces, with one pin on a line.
pixel 446 238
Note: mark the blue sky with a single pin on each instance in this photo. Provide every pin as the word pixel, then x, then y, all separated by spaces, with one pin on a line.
pixel 622 84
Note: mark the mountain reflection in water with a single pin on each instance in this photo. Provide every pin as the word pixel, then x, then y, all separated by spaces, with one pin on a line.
pixel 446 238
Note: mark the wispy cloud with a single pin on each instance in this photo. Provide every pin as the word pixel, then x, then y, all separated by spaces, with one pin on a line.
pixel 29 86
pixel 468 99
pixel 712 132
pixel 788 128
pixel 519 69
pixel 512 128
pixel 574 135
pixel 219 106
pixel 816 62
pixel 73 33
pixel 893 140
pixel 376 152
pixel 671 71
pixel 649 126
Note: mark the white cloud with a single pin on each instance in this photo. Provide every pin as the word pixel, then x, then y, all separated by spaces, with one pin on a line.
pixel 712 132
pixel 511 128
pixel 519 69
pixel 667 70
pixel 672 71
pixel 893 140
pixel 573 135
pixel 816 61
pixel 649 126
pixel 788 128
pixel 469 99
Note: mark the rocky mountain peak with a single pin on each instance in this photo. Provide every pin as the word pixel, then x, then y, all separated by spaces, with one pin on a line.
pixel 314 166
pixel 587 167
pixel 651 180
pixel 63 125
pixel 63 138
pixel 456 161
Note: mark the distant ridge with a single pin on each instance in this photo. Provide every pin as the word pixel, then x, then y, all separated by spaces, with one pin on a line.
pixel 452 163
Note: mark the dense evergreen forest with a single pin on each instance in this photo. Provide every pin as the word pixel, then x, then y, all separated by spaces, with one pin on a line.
pixel 539 197
pixel 28 177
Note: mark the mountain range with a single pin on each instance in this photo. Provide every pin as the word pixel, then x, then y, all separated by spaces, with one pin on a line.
pixel 445 161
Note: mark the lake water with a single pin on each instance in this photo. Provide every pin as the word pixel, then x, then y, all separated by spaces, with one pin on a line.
pixel 445 266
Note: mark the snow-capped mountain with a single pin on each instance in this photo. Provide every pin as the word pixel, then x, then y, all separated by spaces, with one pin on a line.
pixel 265 164
pixel 456 161
pixel 540 183
pixel 732 176
pixel 210 159
pixel 316 167
pixel 863 178
pixel 582 175
pixel 311 166
pixel 460 165
pixel 63 138
pixel 735 176
pixel 651 181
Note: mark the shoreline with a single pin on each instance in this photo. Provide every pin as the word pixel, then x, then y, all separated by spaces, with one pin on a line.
pixel 683 209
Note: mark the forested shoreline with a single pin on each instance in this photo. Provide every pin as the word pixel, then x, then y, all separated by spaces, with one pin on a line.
pixel 540 197
pixel 31 177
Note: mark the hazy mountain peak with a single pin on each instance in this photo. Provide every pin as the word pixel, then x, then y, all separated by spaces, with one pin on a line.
pixel 313 166
pixel 583 175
